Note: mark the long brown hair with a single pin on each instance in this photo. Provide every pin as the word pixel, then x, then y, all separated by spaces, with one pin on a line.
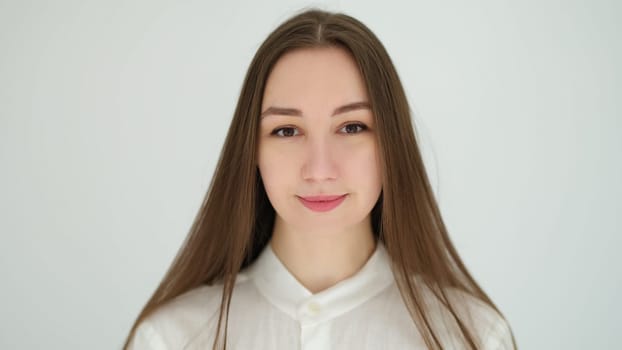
pixel 235 221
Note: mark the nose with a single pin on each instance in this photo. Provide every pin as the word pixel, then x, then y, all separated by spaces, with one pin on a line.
pixel 319 162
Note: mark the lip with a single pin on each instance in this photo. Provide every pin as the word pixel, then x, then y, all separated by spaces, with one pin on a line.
pixel 322 203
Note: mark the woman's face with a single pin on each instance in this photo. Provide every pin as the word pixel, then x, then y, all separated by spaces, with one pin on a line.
pixel 317 138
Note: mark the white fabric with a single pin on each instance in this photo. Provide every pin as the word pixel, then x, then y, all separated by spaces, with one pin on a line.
pixel 270 309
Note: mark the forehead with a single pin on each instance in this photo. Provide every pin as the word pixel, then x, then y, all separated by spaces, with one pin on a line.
pixel 314 78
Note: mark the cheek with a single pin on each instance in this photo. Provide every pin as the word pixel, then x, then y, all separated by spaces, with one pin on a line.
pixel 274 168
pixel 361 164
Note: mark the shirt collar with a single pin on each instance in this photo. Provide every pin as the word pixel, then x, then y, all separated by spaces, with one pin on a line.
pixel 284 291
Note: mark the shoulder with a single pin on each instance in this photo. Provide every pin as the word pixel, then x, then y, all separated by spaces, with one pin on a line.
pixel 183 319
pixel 491 329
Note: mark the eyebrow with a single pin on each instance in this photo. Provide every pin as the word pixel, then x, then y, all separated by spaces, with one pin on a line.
pixel 298 113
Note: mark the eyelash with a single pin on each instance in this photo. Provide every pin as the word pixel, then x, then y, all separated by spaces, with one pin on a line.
pixel 276 131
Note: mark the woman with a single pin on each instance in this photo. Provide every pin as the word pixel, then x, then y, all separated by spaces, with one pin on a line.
pixel 319 229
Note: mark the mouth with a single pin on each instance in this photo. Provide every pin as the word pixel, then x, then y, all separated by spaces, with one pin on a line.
pixel 322 203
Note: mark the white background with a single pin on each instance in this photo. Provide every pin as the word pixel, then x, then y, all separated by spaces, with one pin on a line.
pixel 113 114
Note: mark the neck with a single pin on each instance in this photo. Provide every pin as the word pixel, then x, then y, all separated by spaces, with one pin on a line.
pixel 321 260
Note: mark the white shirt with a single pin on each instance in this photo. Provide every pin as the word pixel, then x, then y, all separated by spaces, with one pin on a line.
pixel 270 309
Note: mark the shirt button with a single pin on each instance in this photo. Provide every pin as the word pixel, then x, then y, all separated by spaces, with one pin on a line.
pixel 313 308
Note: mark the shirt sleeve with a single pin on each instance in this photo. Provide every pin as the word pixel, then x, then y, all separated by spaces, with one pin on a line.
pixel 146 338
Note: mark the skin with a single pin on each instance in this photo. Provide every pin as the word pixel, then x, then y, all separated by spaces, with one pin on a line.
pixel 318 153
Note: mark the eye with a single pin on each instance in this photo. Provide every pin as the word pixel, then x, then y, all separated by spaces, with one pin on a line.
pixel 287 132
pixel 355 126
